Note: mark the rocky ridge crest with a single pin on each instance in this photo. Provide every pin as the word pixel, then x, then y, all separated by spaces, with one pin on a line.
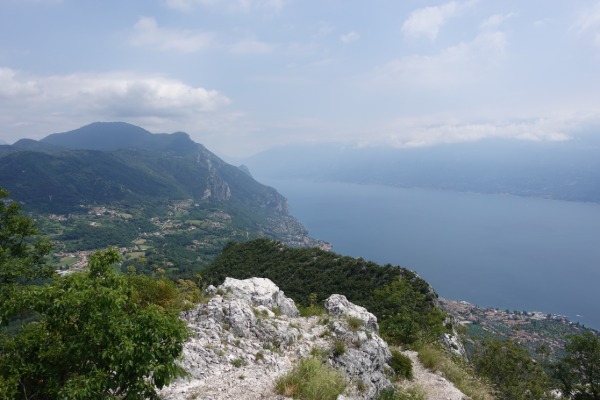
pixel 249 333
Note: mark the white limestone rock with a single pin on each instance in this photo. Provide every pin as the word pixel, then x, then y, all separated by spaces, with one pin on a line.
pixel 239 347
pixel 338 304
pixel 260 291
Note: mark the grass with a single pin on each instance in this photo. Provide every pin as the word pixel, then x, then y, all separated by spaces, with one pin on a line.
pixel 339 348
pixel 134 254
pixel 457 372
pixel 238 362
pixel 413 393
pixel 355 323
pixel 319 353
pixel 68 261
pixel 310 379
pixel 311 311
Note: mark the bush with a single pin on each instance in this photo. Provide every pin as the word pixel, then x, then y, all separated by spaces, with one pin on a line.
pixel 94 338
pixel 311 380
pixel 401 364
pixel 512 371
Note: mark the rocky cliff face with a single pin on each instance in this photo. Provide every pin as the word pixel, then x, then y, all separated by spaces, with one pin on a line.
pixel 250 333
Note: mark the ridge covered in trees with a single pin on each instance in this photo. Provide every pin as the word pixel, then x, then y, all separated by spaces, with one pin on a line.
pixel 402 301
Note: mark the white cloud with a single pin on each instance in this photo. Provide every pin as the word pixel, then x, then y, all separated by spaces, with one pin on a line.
pixel 12 86
pixel 462 63
pixel 432 130
pixel 349 37
pixel 146 32
pixel 50 102
pixel 493 22
pixel 271 6
pixel 589 23
pixel 251 45
pixel 589 20
pixel 427 21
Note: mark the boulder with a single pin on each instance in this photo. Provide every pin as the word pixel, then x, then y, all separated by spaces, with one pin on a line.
pixel 260 291
pixel 338 304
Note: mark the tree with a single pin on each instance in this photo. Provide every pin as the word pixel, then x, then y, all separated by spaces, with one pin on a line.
pixel 511 370
pixel 579 371
pixel 89 335
pixel 22 250
pixel 406 315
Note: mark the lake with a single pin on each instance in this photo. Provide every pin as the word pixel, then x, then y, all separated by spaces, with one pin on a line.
pixel 500 251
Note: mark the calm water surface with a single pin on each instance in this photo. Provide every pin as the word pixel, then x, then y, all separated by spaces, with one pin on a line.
pixel 491 250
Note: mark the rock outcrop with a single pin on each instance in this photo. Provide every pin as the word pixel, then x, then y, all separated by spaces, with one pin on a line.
pixel 249 333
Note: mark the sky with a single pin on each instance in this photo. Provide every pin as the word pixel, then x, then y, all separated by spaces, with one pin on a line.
pixel 241 76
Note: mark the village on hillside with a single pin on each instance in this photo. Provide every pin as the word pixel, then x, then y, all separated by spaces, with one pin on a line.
pixel 543 334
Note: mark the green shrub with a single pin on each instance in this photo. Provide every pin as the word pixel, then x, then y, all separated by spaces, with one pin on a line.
pixel 311 380
pixel 401 364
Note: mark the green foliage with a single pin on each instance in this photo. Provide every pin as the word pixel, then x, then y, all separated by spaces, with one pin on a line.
pixel 511 370
pixel 406 314
pixel 238 362
pixel 311 380
pixel 339 348
pixel 313 309
pixel 355 323
pixel 401 364
pixel 403 303
pixel 159 291
pixel 401 394
pixel 579 371
pixel 455 370
pixel 22 251
pixel 93 339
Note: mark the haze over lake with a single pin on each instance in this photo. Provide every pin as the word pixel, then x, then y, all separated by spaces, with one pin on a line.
pixel 508 252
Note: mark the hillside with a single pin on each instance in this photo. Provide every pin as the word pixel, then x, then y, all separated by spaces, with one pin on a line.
pixel 112 184
pixel 309 276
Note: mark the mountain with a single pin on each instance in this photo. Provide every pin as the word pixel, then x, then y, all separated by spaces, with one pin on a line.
pixel 119 162
pixel 108 136
pixel 117 182
pixel 567 170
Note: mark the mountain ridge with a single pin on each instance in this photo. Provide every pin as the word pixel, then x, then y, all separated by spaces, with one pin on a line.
pixel 133 161
pixel 557 170
pixel 112 184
